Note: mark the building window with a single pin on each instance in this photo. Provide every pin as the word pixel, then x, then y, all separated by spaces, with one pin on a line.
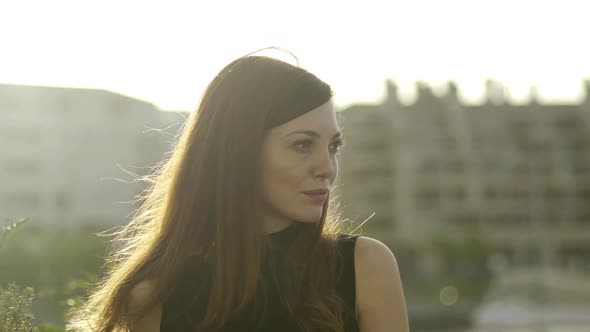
pixel 376 146
pixel 372 172
pixel 459 194
pixel 517 193
pixel 580 144
pixel 428 196
pixel 508 219
pixel 566 122
pixel 491 193
pixel 456 166
pixel 20 135
pixel 428 166
pixel 20 167
pixel 584 194
pixel 28 200
pixel 520 168
pixel 581 168
pixel 62 201
pixel 583 219
pixel 554 194
pixel 379 197
pixel 463 219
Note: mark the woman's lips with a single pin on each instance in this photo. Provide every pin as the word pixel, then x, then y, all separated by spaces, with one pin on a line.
pixel 317 198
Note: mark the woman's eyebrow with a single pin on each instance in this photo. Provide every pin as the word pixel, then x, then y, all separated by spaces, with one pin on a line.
pixel 312 133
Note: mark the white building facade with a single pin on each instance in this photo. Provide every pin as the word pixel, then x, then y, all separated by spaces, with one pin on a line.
pixel 64 152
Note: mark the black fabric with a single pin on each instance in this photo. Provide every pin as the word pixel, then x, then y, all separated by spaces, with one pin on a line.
pixel 182 313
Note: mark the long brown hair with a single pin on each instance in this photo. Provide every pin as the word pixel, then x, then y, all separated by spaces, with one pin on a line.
pixel 204 201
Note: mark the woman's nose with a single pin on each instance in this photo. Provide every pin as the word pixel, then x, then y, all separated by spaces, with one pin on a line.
pixel 324 165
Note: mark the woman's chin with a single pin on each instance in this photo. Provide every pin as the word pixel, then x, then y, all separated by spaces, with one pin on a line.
pixel 311 219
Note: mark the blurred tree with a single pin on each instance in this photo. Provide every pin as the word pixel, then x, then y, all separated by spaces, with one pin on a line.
pixel 59 264
pixel 15 303
pixel 15 309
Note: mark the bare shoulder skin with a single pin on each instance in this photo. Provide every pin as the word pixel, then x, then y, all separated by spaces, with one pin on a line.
pixel 151 321
pixel 380 298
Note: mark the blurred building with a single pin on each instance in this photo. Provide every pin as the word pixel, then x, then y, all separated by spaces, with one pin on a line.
pixel 65 153
pixel 518 174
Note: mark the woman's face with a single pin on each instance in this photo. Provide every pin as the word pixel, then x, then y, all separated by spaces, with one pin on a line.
pixel 299 156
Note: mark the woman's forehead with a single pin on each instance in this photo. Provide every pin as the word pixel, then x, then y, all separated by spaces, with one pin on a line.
pixel 320 121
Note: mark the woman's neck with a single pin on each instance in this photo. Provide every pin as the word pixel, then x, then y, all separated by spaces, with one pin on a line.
pixel 276 225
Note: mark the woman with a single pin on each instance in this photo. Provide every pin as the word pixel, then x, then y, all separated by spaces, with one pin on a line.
pixel 234 233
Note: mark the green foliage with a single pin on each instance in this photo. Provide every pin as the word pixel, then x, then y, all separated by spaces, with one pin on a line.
pixel 10 227
pixel 61 264
pixel 15 303
pixel 15 309
pixel 49 328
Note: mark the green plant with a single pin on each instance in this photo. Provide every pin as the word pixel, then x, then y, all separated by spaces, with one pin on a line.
pixel 59 266
pixel 49 328
pixel 10 227
pixel 15 309
pixel 15 303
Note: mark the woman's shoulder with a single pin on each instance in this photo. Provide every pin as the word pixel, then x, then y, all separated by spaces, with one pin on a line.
pixel 380 296
pixel 369 251
pixel 372 256
pixel 142 292
pixel 369 247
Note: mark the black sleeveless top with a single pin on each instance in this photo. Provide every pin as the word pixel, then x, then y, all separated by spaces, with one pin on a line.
pixel 183 310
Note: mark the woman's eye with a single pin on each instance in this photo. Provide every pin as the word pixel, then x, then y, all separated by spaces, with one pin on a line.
pixel 337 145
pixel 303 144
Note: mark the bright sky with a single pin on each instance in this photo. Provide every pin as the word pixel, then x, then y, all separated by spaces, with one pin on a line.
pixel 165 52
